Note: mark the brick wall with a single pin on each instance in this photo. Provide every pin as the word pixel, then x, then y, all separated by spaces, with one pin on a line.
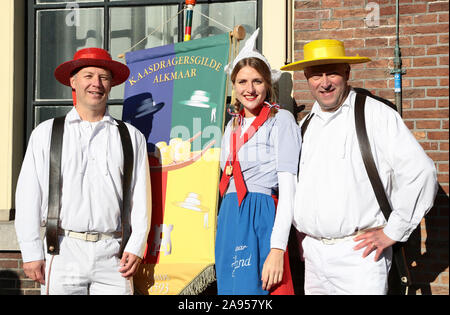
pixel 424 33
pixel 12 277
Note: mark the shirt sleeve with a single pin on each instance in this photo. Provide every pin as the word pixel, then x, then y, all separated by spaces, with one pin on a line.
pixel 286 137
pixel 141 209
pixel 30 195
pixel 414 184
pixel 285 210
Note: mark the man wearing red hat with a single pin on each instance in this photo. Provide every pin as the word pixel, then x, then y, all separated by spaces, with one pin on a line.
pixel 349 238
pixel 92 253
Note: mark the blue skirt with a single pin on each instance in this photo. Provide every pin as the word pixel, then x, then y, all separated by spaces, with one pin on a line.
pixel 243 243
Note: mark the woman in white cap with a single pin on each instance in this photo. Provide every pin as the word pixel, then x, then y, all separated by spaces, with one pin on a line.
pixel 259 158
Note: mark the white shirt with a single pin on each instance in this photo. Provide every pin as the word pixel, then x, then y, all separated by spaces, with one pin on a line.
pixel 92 169
pixel 334 197
pixel 247 123
pixel 285 208
pixel 285 211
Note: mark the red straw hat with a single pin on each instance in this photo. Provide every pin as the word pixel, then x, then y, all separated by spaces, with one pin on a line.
pixel 92 57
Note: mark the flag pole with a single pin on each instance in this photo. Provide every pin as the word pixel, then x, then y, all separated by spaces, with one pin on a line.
pixel 189 13
pixel 238 32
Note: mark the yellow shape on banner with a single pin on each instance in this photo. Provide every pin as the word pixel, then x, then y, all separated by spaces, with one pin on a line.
pixel 190 212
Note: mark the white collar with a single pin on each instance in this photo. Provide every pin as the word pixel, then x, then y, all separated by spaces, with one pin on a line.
pixel 73 116
pixel 347 104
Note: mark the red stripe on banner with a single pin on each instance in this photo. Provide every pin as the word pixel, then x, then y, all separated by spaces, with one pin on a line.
pixel 159 192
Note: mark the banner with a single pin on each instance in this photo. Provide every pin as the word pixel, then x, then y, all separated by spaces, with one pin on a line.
pixel 176 96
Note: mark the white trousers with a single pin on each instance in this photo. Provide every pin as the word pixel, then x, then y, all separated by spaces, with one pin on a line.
pixel 340 270
pixel 85 268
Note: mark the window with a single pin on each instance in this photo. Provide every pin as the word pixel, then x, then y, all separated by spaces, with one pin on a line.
pixel 59 28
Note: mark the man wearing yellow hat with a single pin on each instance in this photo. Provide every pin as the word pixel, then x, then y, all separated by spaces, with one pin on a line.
pixel 348 242
pixel 91 191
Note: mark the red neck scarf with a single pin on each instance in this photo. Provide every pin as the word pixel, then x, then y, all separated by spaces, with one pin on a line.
pixel 232 166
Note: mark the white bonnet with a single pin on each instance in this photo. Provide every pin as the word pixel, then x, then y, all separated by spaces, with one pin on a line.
pixel 249 50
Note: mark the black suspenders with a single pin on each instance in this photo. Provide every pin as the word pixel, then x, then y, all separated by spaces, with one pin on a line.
pixel 398 250
pixel 303 130
pixel 128 164
pixel 54 193
pixel 54 186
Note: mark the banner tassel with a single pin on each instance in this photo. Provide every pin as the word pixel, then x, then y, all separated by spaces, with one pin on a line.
pixel 201 282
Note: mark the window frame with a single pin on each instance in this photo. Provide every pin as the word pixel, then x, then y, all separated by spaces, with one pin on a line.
pixel 33 8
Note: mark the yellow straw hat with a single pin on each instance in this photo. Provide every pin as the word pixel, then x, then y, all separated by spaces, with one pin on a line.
pixel 322 52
